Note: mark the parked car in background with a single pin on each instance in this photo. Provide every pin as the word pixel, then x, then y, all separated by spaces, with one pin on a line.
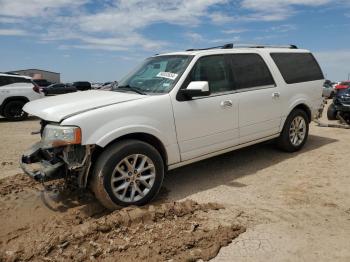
pixel 108 86
pixel 82 85
pixel 343 85
pixel 340 106
pixel 105 85
pixel 96 85
pixel 42 82
pixel 15 92
pixel 328 90
pixel 173 110
pixel 58 89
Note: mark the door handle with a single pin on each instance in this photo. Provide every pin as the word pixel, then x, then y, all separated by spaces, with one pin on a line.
pixel 276 94
pixel 226 103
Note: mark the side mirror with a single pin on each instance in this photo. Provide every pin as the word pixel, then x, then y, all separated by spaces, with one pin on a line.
pixel 196 89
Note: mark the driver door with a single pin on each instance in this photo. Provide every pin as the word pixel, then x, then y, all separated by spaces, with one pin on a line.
pixel 208 124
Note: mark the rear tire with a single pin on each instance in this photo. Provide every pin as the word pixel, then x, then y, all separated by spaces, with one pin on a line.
pixel 295 131
pixel 332 112
pixel 129 172
pixel 13 110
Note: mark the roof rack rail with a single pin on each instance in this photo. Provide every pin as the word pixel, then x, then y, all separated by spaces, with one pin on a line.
pixel 231 45
pixel 265 46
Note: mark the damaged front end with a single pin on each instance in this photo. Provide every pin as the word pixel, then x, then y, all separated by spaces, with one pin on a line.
pixel 59 154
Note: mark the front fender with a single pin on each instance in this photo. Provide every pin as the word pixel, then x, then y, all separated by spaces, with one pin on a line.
pixel 126 130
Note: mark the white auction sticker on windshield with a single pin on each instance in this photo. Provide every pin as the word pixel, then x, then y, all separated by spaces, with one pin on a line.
pixel 168 75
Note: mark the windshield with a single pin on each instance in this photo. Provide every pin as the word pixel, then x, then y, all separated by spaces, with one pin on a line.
pixel 157 74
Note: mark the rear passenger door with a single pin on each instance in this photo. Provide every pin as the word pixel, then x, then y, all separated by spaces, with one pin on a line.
pixel 258 97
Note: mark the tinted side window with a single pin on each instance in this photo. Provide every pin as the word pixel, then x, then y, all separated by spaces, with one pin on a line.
pixel 4 80
pixel 215 70
pixel 250 70
pixel 13 80
pixel 297 67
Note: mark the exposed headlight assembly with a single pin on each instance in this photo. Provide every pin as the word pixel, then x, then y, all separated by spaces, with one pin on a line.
pixel 56 136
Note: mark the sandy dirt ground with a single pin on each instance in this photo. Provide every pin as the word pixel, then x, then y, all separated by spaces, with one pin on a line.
pixel 269 206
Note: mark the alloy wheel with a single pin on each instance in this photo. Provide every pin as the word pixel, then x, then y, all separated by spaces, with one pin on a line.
pixel 297 131
pixel 133 178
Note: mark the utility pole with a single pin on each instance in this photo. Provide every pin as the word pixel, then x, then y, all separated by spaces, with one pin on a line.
pixel 349 76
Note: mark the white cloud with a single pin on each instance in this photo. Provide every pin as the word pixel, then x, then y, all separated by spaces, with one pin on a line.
pixel 282 28
pixel 12 32
pixel 118 24
pixel 138 14
pixel 199 39
pixel 226 40
pixel 10 20
pixel 35 8
pixel 194 37
pixel 275 10
pixel 235 31
pixel 220 18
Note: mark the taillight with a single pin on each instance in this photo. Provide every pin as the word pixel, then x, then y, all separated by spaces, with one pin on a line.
pixel 36 89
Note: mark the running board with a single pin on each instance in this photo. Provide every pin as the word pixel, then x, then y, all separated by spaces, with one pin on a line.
pixel 223 151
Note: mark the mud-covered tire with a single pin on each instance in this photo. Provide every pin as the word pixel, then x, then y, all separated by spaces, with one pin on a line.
pixel 331 112
pixel 13 110
pixel 284 142
pixel 104 170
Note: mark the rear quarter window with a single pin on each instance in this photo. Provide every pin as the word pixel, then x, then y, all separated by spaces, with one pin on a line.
pixel 297 67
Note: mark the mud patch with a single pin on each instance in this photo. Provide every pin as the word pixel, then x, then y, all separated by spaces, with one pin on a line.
pixel 16 184
pixel 74 227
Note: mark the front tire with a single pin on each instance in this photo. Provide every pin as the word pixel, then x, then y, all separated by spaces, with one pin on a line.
pixel 295 131
pixel 129 172
pixel 13 111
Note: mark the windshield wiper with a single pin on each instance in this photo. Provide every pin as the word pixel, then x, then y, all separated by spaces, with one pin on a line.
pixel 128 87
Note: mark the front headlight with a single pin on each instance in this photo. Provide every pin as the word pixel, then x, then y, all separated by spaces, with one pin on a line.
pixel 56 136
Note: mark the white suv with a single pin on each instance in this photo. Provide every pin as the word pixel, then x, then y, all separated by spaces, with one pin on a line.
pixel 173 110
pixel 15 92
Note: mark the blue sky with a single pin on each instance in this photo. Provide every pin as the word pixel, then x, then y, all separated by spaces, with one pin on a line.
pixel 103 40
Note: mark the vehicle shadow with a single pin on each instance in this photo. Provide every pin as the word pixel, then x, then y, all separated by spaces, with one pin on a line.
pixel 225 169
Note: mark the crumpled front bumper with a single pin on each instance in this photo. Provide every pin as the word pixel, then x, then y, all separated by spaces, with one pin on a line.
pixel 44 169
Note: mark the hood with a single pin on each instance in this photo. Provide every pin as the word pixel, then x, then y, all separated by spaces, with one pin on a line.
pixel 60 107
